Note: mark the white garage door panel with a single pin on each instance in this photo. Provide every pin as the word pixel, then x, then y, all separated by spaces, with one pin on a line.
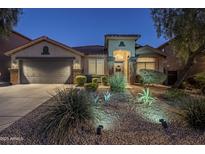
pixel 46 71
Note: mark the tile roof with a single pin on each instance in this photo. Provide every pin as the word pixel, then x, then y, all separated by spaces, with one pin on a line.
pixel 122 35
pixel 91 49
pixel 155 50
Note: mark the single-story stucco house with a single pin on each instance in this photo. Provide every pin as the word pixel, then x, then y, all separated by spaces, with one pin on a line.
pixel 45 60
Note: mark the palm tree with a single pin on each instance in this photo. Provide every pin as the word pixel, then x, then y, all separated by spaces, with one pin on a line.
pixel 8 19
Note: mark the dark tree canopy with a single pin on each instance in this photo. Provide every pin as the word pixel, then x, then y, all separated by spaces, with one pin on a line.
pixel 8 19
pixel 186 26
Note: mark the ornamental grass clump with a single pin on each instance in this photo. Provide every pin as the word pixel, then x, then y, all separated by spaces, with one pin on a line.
pixel 117 83
pixel 71 111
pixel 194 108
pixel 146 97
pixel 174 94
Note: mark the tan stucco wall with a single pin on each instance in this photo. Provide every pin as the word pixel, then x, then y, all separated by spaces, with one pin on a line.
pixel 36 50
pixel 113 45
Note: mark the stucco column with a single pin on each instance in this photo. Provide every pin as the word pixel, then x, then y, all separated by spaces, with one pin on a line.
pixel 111 61
pixel 132 70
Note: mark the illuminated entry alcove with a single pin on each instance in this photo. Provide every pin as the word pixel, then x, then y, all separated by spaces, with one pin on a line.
pixel 121 64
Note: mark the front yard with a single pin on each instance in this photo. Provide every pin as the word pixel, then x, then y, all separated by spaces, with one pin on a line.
pixel 125 121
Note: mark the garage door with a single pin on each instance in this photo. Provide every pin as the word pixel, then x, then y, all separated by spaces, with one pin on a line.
pixel 46 71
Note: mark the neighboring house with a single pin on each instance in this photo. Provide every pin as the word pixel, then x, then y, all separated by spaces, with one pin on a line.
pixel 173 65
pixel 12 41
pixel 44 60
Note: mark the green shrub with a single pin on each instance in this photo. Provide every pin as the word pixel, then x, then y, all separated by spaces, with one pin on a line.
pixel 72 110
pixel 91 87
pixel 104 80
pixel 152 76
pixel 174 94
pixel 80 80
pixel 195 112
pixel 197 80
pixel 117 83
pixel 200 79
pixel 146 97
pixel 95 80
pixel 138 79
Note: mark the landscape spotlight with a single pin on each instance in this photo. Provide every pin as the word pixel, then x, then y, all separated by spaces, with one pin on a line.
pixel 99 129
pixel 164 123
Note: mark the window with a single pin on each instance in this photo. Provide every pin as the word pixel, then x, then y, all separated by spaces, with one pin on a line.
pixel 100 66
pixel 96 66
pixel 146 63
pixel 92 66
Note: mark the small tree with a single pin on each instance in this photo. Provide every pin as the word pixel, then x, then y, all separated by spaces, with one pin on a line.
pixel 186 30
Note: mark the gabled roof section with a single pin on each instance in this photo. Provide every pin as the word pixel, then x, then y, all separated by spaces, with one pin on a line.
pixel 154 50
pixel 92 50
pixel 40 39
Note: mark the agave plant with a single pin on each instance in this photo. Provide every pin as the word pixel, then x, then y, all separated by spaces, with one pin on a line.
pixel 96 99
pixel 107 96
pixel 146 97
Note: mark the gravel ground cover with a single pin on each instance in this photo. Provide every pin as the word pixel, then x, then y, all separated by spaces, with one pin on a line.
pixel 126 122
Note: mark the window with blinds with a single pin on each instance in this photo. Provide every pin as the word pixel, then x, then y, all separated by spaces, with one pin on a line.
pixel 96 66
pixel 146 63
pixel 100 67
pixel 92 66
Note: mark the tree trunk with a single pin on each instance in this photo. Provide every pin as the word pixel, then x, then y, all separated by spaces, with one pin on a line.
pixel 184 73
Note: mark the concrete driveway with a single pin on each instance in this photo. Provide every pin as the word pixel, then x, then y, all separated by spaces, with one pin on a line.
pixel 18 100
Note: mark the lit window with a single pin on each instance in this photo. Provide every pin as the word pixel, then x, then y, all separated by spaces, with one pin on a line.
pixel 146 63
pixel 96 66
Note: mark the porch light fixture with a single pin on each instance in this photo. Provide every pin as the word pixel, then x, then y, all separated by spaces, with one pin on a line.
pixel 122 44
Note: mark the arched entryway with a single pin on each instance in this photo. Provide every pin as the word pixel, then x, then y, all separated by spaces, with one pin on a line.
pixel 121 62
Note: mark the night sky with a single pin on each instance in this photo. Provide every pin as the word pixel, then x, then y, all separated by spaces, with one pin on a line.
pixel 78 27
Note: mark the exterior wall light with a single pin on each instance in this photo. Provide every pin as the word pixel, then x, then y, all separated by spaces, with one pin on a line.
pixel 14 64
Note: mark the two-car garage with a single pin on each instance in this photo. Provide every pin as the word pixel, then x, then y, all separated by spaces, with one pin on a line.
pixel 57 71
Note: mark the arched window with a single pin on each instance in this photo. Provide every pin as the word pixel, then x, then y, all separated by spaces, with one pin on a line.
pixel 45 51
